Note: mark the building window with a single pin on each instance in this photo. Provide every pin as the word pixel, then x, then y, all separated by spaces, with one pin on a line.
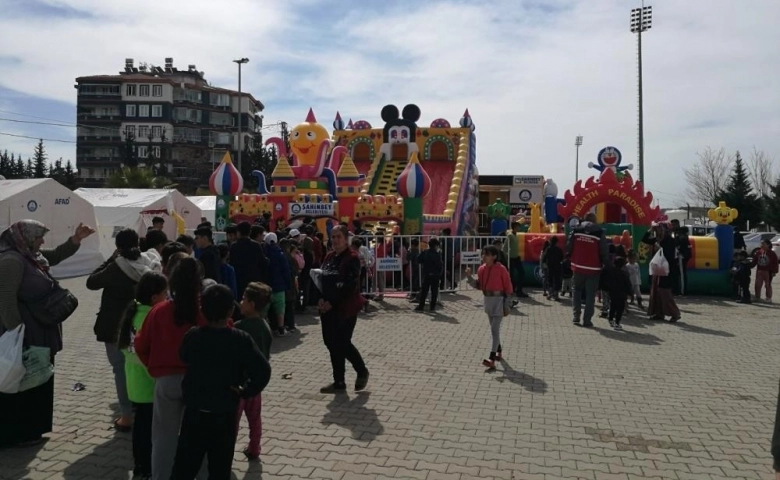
pixel 156 132
pixel 130 110
pixel 143 152
pixel 144 90
pixel 143 110
pixel 130 131
pixel 130 90
pixel 157 110
pixel 157 90
pixel 156 152
pixel 143 131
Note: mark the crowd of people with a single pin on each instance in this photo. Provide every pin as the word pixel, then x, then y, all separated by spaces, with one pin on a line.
pixel 187 325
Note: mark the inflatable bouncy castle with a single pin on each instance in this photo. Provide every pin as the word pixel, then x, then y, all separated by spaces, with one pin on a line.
pixel 626 212
pixel 423 179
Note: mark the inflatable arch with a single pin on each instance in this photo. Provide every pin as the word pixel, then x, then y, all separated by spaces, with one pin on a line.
pixel 439 138
pixel 367 147
pixel 625 192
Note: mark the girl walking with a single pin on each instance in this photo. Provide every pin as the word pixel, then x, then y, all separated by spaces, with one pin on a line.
pixel 152 289
pixel 493 279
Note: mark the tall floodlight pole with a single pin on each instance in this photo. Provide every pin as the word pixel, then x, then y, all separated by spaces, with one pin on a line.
pixel 641 21
pixel 240 62
pixel 577 144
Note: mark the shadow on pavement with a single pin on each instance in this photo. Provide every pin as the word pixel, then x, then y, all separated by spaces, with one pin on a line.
pixel 290 341
pixel 15 461
pixel 703 330
pixel 440 317
pixel 629 336
pixel 529 382
pixel 352 414
pixel 104 460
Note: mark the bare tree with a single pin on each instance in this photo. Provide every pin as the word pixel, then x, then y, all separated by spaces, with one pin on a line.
pixel 762 172
pixel 708 177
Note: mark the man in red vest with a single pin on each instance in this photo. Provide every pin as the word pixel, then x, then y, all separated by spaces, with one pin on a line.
pixel 589 253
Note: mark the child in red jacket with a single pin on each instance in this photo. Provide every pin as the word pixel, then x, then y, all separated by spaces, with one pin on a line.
pixel 765 261
pixel 157 345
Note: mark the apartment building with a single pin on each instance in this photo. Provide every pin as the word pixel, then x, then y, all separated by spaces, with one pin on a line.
pixel 173 119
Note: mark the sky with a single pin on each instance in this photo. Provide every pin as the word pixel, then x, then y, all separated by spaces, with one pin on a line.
pixel 534 74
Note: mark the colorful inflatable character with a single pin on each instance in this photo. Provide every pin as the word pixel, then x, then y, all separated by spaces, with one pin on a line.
pixel 310 144
pixel 722 215
pixel 399 129
pixel 609 158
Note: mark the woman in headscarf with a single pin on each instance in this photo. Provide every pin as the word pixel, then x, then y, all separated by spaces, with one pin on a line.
pixel 661 303
pixel 24 268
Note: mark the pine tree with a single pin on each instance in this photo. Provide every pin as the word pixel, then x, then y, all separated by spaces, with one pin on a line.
pixel 39 161
pixel 772 210
pixel 57 172
pixel 29 169
pixel 5 169
pixel 739 194
pixel 70 176
pixel 19 168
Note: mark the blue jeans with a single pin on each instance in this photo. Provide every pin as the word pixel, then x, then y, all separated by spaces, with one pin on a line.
pixel 117 360
pixel 588 283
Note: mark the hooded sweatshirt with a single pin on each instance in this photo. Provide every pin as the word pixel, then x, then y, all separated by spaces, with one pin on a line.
pixel 117 277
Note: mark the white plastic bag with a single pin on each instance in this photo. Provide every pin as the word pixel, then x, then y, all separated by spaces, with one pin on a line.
pixel 659 266
pixel 316 277
pixel 11 365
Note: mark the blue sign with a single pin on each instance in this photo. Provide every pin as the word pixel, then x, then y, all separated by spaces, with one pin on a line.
pixel 32 205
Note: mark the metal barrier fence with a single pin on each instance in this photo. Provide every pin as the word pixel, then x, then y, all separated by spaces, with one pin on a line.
pixel 391 264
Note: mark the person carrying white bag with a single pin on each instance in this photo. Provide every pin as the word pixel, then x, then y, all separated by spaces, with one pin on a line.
pixel 661 303
pixel 31 297
pixel 11 365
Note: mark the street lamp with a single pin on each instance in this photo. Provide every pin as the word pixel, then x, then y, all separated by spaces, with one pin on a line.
pixel 641 20
pixel 240 62
pixel 577 144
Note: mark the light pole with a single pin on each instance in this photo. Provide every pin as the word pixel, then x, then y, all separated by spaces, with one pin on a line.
pixel 641 20
pixel 577 144
pixel 240 62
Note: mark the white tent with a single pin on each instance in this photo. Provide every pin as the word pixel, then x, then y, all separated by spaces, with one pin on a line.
pixel 118 208
pixel 61 211
pixel 207 205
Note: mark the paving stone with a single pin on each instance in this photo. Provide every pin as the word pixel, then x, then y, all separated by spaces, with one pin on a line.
pixel 658 400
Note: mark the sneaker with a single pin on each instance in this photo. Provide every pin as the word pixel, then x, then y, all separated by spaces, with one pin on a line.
pixel 292 330
pixel 612 323
pixel 673 319
pixel 361 382
pixel 499 356
pixel 280 333
pixel 249 455
pixel 618 326
pixel 490 364
pixel 419 308
pixel 603 315
pixel 334 388
pixel 515 303
pixel 576 321
pixel 587 325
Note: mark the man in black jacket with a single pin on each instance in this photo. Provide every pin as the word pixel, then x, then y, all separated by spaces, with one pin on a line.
pixel 209 254
pixel 247 258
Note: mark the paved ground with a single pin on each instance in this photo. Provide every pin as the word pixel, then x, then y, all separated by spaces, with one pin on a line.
pixel 691 400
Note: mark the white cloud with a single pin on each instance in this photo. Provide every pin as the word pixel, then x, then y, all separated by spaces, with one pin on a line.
pixel 533 74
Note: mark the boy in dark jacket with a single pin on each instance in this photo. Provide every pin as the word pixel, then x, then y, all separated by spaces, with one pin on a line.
pixel 618 285
pixel 432 266
pixel 741 273
pixel 209 254
pixel 554 260
pixel 224 365
pixel 280 281
pixel 566 275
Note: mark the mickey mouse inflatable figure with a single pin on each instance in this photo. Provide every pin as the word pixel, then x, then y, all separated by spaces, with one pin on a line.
pixel 609 159
pixel 399 129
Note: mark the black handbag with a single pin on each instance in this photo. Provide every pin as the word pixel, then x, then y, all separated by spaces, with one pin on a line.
pixel 55 307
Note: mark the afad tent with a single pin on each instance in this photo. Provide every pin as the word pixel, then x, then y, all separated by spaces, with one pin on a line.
pixel 61 211
pixel 207 205
pixel 119 208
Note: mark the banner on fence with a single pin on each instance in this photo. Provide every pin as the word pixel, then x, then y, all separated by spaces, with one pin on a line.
pixel 470 258
pixel 391 264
